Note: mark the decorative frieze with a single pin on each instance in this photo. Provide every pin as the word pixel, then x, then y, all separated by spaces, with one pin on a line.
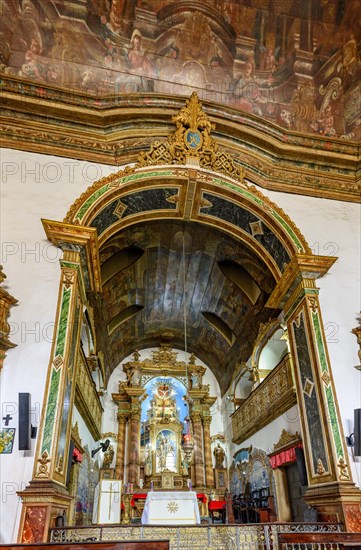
pixel 274 396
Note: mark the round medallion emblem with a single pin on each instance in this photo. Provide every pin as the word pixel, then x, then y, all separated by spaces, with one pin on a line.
pixel 193 139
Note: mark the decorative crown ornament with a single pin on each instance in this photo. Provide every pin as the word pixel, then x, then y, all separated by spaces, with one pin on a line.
pixel 191 143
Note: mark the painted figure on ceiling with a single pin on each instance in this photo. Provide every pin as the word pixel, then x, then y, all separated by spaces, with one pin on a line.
pixel 115 15
pixel 138 59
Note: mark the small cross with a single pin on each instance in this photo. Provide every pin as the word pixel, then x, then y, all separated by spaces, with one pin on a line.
pixel 7 419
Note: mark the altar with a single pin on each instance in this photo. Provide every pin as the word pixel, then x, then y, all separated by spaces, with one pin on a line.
pixel 171 508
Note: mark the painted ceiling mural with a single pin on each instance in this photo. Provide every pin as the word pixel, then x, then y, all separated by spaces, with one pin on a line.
pixel 293 62
pixel 178 282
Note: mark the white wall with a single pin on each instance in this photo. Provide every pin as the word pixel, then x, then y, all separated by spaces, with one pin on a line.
pixel 39 186
pixel 32 187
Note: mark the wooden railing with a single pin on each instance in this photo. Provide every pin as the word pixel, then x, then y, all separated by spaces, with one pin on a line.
pixel 319 541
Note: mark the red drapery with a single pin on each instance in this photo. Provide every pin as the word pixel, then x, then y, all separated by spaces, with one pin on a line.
pixel 216 504
pixel 284 457
pixel 77 456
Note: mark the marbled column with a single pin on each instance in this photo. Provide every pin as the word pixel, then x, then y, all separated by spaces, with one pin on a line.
pixel 198 450
pixel 52 445
pixel 46 496
pixel 133 448
pixel 119 468
pixel 331 489
pixel 208 451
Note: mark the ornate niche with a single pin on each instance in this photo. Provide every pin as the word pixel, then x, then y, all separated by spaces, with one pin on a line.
pixel 163 393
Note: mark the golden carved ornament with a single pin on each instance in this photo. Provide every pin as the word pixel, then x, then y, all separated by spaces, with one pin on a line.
pixel 192 140
pixel 6 301
pixel 75 436
pixel 286 439
pixel 320 467
pixel 218 437
pixel 342 466
pixel 43 465
pixel 357 332
pixel 164 355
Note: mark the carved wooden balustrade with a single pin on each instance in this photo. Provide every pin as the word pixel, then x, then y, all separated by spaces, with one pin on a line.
pixel 274 396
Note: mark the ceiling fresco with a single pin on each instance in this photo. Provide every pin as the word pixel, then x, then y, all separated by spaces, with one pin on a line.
pixel 292 62
pixel 184 278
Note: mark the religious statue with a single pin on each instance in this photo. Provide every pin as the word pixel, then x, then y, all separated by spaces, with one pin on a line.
pixel 108 457
pixel 184 463
pixel 148 462
pixel 219 455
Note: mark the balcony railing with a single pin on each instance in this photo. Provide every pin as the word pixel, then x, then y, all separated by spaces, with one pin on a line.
pixel 223 537
pixel 274 396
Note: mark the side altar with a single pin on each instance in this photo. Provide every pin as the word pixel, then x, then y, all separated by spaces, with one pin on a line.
pixel 164 415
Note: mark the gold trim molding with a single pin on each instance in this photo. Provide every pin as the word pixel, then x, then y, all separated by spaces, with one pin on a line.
pixel 272 157
pixel 63 234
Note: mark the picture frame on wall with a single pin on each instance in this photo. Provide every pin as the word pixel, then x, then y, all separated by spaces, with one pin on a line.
pixel 7 436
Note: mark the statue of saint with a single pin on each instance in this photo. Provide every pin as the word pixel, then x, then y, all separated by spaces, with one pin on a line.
pixel 219 455
pixel 108 457
pixel 184 465
pixel 148 463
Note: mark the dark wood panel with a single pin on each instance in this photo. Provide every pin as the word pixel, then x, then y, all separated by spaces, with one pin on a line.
pixel 136 545
pixel 345 539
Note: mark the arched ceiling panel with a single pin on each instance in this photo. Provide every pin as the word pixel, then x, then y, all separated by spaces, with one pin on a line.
pixel 176 280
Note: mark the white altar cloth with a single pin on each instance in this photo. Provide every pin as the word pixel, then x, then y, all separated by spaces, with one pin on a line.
pixel 171 508
pixel 107 501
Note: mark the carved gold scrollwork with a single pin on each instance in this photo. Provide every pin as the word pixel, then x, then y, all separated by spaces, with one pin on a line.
pixel 43 465
pixel 342 466
pixel 192 139
pixel 357 332
pixel 286 439
pixel 313 303
pixel 6 301
pixel 68 278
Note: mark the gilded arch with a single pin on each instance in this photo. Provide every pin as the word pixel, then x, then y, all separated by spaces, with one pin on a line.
pixel 189 178
pixel 203 185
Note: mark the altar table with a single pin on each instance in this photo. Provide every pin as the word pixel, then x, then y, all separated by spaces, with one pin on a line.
pixel 171 508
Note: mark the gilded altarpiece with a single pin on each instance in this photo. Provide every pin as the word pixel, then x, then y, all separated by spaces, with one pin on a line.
pixel 161 435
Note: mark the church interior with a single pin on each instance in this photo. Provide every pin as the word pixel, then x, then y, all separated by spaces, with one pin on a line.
pixel 180 342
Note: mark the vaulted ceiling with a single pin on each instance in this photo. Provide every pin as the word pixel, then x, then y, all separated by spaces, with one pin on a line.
pixel 182 283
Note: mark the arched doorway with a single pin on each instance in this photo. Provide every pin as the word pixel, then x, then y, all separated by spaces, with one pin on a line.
pixel 185 228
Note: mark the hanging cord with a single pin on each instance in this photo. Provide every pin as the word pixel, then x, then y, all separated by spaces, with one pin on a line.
pixel 184 303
